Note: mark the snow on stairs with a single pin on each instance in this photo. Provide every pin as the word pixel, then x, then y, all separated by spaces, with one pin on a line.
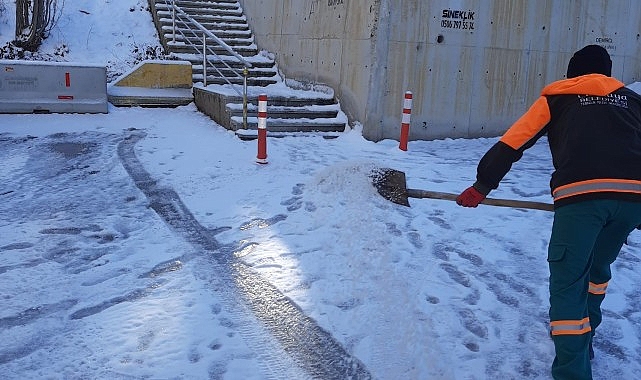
pixel 223 18
pixel 289 110
pixel 297 111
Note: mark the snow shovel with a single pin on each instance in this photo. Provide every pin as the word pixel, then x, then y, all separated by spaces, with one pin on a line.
pixel 390 183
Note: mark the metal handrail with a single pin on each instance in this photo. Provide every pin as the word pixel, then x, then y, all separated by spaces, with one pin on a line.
pixel 179 16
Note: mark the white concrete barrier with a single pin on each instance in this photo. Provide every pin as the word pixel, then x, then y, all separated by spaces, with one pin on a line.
pixel 59 87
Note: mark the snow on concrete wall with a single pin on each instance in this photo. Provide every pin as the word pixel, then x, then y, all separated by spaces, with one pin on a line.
pixel 474 66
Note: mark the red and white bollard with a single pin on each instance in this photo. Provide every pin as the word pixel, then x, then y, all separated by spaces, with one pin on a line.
pixel 261 158
pixel 405 121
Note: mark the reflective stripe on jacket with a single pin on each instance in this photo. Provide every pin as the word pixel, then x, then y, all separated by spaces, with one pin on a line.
pixel 597 186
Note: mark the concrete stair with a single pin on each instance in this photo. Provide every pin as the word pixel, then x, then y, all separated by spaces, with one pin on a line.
pixel 223 18
pixel 300 111
pixel 305 112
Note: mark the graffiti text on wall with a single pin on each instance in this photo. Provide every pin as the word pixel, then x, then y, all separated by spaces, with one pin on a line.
pixel 606 42
pixel 456 19
pixel 334 2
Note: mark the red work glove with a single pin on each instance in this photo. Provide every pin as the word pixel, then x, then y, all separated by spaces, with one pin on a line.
pixel 470 197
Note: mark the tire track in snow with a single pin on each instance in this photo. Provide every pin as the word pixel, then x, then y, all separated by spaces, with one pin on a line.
pixel 299 338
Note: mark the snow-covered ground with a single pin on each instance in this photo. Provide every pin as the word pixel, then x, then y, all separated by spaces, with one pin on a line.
pixel 147 243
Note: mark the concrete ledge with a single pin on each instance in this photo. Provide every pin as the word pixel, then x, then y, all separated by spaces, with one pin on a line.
pixel 158 74
pixel 154 84
pixel 149 97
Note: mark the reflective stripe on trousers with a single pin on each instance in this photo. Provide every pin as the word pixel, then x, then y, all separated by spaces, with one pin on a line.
pixel 570 327
pixel 577 327
pixel 597 288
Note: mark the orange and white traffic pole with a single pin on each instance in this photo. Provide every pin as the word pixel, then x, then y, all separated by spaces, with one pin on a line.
pixel 261 158
pixel 405 121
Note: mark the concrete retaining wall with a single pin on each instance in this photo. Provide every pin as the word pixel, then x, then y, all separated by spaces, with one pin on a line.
pixel 214 105
pixel 473 66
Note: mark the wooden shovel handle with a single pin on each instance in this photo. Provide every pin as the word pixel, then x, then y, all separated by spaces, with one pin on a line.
pixel 415 193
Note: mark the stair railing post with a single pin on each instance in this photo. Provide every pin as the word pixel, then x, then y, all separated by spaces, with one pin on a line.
pixel 173 21
pixel 204 60
pixel 245 72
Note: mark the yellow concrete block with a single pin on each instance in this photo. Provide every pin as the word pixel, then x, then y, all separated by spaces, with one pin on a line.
pixel 158 74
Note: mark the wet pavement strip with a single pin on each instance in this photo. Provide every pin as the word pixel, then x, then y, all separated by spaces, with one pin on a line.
pixel 308 345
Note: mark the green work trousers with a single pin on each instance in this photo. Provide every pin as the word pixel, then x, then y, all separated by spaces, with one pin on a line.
pixel 586 239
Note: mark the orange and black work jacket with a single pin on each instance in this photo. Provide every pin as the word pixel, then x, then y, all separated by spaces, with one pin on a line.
pixel 593 125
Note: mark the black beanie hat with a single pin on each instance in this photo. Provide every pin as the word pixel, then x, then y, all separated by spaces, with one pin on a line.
pixel 592 59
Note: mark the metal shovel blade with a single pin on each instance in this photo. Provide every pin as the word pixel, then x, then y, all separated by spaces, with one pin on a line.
pixel 391 184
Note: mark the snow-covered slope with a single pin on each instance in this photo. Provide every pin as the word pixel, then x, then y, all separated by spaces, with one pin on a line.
pixel 147 243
